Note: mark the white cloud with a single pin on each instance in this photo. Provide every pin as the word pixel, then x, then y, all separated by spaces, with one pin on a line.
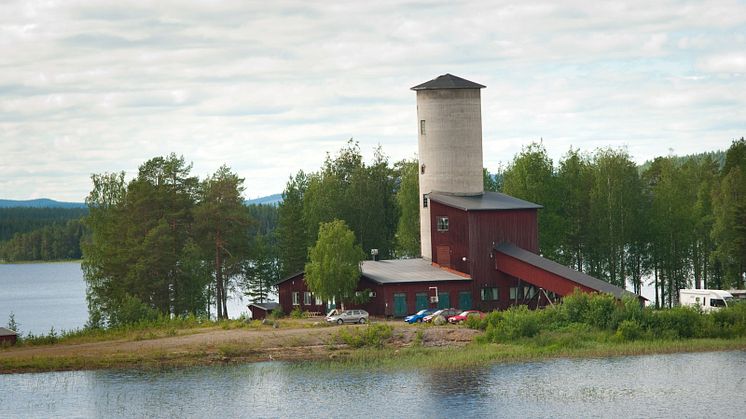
pixel 268 88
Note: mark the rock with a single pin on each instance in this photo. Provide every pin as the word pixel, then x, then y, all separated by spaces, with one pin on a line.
pixel 439 321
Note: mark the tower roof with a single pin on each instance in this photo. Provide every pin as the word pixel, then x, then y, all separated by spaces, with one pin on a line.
pixel 448 81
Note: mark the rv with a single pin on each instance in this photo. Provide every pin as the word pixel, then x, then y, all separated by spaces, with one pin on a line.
pixel 707 300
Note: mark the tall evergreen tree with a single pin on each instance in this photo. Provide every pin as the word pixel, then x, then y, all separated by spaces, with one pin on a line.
pixel 292 238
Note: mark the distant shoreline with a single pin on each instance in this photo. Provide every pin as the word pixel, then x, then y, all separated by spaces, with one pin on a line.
pixel 39 262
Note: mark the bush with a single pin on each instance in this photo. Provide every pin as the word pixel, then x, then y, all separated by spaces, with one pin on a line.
pixel 132 310
pixel 673 323
pixel 600 311
pixel 517 322
pixel 297 313
pixel 629 330
pixel 373 335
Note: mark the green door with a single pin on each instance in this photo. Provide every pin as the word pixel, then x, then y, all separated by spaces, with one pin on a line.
pixel 420 301
pixel 464 300
pixel 444 301
pixel 400 304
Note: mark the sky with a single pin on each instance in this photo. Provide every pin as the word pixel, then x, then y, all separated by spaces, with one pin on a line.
pixel 269 87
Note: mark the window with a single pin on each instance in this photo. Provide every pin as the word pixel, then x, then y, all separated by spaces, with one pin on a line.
pixel 319 301
pixel 422 127
pixel 424 200
pixel 490 294
pixel 296 298
pixel 307 298
pixel 422 169
pixel 516 293
pixel 442 223
pixel 716 302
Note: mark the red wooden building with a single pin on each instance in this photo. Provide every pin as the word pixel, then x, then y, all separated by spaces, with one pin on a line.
pixel 480 248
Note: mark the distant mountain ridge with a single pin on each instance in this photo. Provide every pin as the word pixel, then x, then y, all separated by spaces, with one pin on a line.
pixel 51 203
pixel 273 199
pixel 39 203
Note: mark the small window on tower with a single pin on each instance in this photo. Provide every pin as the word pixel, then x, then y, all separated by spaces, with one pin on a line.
pixel 424 200
pixel 422 127
pixel 442 223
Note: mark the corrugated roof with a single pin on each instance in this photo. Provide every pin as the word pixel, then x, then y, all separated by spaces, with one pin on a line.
pixel 486 201
pixel 266 306
pixel 7 332
pixel 407 270
pixel 448 81
pixel 562 270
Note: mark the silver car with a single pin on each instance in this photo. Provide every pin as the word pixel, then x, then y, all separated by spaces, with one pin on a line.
pixel 347 316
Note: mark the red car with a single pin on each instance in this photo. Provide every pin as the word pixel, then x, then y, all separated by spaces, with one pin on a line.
pixel 446 312
pixel 464 315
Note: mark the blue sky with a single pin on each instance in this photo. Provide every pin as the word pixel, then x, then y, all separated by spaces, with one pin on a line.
pixel 268 87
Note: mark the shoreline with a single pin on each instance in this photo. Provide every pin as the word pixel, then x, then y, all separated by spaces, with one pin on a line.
pixel 309 344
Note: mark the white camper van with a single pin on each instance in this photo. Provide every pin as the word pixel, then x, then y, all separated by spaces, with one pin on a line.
pixel 705 299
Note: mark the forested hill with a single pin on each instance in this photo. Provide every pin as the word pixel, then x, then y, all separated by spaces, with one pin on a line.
pixel 39 203
pixel 23 220
pixel 716 156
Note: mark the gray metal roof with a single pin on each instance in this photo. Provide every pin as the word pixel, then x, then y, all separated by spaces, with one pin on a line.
pixel 4 331
pixel 266 306
pixel 407 270
pixel 486 201
pixel 562 270
pixel 448 81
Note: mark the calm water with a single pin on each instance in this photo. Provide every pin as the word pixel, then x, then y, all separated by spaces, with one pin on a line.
pixel 46 295
pixel 43 295
pixel 679 385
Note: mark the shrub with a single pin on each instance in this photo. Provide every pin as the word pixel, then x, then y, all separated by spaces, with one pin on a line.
pixel 629 330
pixel 517 322
pixel 673 323
pixel 575 306
pixel 600 311
pixel 297 313
pixel 373 335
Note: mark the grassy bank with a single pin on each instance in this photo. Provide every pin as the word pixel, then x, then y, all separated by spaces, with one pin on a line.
pixel 480 354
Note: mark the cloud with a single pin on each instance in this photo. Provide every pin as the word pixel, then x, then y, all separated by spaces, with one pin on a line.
pixel 269 88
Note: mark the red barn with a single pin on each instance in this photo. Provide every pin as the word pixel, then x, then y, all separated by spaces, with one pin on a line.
pixel 7 337
pixel 479 249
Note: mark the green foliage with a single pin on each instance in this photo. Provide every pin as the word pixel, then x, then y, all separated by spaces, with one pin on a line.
pixel 373 335
pixel 292 237
pixel 600 317
pixel 52 242
pixel 333 271
pixel 12 324
pixel 407 200
pixel 297 313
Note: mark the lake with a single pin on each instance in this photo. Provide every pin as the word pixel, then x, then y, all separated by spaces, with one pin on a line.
pixel 46 295
pixel 674 385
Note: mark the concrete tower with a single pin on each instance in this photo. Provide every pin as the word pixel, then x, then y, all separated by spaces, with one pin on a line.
pixel 449 122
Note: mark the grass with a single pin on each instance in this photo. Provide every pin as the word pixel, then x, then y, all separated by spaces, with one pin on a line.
pixel 480 354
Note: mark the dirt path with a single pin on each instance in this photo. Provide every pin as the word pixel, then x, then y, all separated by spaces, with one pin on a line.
pixel 205 346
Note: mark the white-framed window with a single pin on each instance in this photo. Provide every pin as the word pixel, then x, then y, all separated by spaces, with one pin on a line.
pixel 442 222
pixel 296 298
pixel 319 301
pixel 422 127
pixel 307 298
pixel 490 294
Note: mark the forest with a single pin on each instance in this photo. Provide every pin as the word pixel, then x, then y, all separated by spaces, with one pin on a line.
pixel 167 242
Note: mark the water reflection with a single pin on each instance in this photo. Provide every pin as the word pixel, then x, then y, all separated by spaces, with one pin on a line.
pixel 680 385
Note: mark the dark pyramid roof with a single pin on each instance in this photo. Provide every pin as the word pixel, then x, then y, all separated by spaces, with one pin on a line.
pixel 448 81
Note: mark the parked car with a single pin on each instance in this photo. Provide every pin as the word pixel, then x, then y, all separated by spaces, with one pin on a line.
pixel 348 316
pixel 460 318
pixel 418 316
pixel 446 313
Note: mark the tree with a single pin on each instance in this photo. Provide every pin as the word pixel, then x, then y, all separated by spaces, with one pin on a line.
pixel 729 208
pixel 260 272
pixel 221 223
pixel 292 238
pixel 408 228
pixel 574 182
pixel 530 177
pixel 491 181
pixel 333 271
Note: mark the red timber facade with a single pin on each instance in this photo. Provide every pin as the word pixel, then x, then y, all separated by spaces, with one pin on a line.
pixel 485 257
